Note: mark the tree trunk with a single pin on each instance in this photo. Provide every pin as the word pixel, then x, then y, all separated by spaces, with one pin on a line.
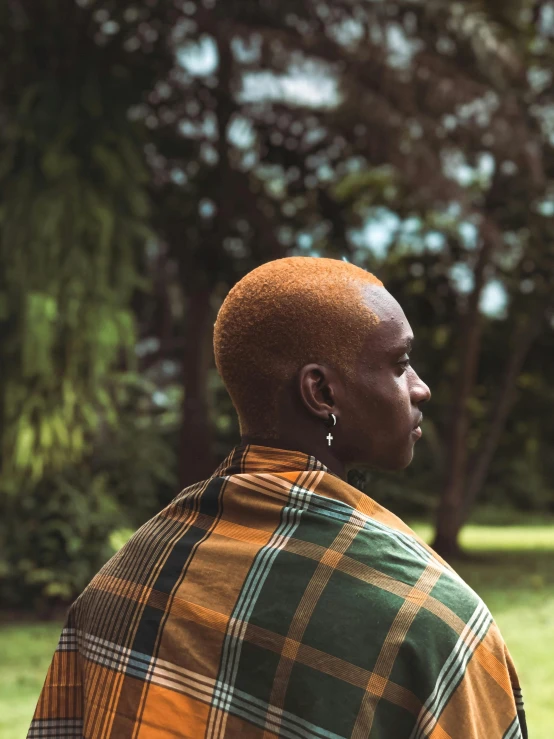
pixel 523 340
pixel 196 461
pixel 449 514
pixel 196 457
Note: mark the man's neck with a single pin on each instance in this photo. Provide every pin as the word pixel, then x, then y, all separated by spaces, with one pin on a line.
pixel 321 453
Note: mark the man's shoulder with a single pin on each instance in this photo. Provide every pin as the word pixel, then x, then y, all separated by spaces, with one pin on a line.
pixel 385 562
pixel 134 571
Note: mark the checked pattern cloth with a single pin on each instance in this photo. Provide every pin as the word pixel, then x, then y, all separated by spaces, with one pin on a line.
pixel 276 600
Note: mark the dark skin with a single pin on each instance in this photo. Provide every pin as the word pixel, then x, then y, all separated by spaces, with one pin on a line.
pixel 376 415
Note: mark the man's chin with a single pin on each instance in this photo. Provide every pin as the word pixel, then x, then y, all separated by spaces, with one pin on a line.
pixel 408 459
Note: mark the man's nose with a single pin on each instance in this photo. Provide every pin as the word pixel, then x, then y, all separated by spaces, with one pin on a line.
pixel 420 392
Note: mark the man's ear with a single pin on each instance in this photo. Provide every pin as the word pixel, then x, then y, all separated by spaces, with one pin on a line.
pixel 316 390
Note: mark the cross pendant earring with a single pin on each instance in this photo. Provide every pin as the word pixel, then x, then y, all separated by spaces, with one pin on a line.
pixel 330 437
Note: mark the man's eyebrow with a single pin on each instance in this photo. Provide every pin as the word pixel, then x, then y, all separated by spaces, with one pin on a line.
pixel 408 344
pixel 404 346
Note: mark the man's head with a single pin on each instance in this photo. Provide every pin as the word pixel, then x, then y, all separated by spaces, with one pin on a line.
pixel 299 338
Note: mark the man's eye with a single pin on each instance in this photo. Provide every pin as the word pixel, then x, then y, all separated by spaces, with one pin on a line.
pixel 405 363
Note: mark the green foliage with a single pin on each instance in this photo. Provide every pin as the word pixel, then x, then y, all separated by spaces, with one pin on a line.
pixel 366 187
pixel 73 225
pixel 137 457
pixel 69 523
pixel 63 524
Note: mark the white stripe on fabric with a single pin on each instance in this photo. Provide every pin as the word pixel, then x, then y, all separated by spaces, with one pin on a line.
pixel 514 730
pixel 256 711
pixel 337 510
pixel 452 671
pixel 68 640
pixel 171 676
pixel 458 669
pixel 343 512
pixel 251 592
pixel 56 727
pixel 106 653
pixel 298 501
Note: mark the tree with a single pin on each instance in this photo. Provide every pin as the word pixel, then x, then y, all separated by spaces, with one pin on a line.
pixel 74 225
pixel 186 143
pixel 420 92
pixel 74 221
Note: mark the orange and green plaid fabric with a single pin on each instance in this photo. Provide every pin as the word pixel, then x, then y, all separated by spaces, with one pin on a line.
pixel 276 600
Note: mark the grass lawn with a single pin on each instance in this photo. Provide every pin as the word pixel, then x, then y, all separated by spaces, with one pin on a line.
pixel 25 653
pixel 512 569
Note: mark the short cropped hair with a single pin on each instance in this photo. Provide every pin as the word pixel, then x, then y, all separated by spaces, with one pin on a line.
pixel 281 316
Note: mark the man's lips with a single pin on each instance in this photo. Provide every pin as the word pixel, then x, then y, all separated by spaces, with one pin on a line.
pixel 416 431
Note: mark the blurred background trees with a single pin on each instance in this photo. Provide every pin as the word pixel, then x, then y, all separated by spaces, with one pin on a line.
pixel 154 152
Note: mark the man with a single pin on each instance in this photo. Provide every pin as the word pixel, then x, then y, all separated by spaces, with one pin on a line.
pixel 274 599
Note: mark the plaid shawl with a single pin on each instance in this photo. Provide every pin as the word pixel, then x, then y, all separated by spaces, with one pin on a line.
pixel 276 600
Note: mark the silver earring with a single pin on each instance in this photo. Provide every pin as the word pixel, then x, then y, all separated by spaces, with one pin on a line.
pixel 329 436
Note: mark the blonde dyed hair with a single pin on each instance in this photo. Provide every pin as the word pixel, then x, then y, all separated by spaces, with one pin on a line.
pixel 281 316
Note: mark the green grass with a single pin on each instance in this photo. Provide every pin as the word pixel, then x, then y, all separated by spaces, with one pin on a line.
pixel 25 653
pixel 511 567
